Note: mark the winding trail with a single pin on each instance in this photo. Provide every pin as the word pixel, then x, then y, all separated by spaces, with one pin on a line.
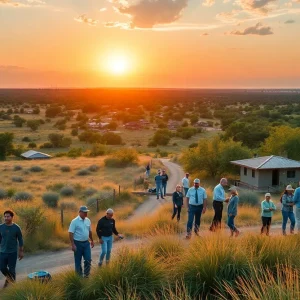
pixel 58 261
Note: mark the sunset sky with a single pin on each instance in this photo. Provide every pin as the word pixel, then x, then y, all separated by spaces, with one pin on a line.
pixel 146 43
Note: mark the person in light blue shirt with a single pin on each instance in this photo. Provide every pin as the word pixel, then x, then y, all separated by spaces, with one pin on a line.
pixel 267 208
pixel 297 204
pixel 219 197
pixel 287 211
pixel 196 203
pixel 232 211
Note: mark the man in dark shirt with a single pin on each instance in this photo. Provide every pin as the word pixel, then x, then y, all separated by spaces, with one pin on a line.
pixel 165 178
pixel 10 237
pixel 105 228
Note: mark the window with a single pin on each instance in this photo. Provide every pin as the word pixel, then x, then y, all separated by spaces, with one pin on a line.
pixel 291 174
pixel 253 173
pixel 245 171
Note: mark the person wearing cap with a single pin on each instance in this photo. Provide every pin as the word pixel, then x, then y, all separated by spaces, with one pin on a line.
pixel 79 233
pixel 106 227
pixel 297 204
pixel 158 183
pixel 232 210
pixel 219 197
pixel 165 179
pixel 287 200
pixel 267 208
pixel 196 202
pixel 186 183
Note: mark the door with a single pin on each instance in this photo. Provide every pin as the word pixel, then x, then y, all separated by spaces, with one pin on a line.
pixel 275 177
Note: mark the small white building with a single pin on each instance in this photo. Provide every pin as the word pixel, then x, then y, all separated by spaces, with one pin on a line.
pixel 267 172
pixel 31 154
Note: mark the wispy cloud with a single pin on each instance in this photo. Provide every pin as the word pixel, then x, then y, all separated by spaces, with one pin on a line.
pixel 256 6
pixel 84 19
pixel 22 3
pixel 258 29
pixel 103 9
pixel 290 22
pixel 208 3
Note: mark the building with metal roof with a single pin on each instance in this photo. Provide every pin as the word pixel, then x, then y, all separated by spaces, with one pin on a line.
pixel 31 154
pixel 267 172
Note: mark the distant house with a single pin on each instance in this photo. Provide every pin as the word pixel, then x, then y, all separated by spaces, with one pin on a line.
pixel 201 124
pixel 267 172
pixel 31 154
pixel 133 125
pixel 173 125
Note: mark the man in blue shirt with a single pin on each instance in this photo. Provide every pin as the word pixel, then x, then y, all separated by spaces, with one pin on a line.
pixel 219 197
pixel 297 204
pixel 196 203
pixel 158 183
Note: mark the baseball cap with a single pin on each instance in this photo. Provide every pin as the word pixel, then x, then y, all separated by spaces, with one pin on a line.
pixel 83 209
pixel 196 180
pixel 267 195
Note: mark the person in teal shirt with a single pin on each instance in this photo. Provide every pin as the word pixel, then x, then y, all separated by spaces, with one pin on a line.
pixel 267 208
pixel 297 204
pixel 232 210
pixel 287 200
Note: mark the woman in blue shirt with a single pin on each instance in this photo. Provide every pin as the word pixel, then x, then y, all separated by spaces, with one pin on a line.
pixel 232 210
pixel 287 200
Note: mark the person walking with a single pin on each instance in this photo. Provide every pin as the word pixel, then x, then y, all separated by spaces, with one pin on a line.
pixel 10 238
pixel 106 227
pixel 287 200
pixel 267 208
pixel 186 183
pixel 196 203
pixel 232 210
pixel 177 202
pixel 79 234
pixel 297 204
pixel 158 184
pixel 148 170
pixel 219 197
pixel 165 179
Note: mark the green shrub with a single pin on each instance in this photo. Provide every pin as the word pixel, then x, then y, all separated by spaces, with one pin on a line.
pixel 17 179
pixel 26 139
pixel 89 191
pixel 74 152
pixel 32 145
pixel 55 187
pixel 249 198
pixel 71 285
pixel 193 145
pixel 92 200
pixel 30 218
pixel 36 169
pixel 65 168
pixel 122 158
pixel 11 192
pixel 67 191
pixel 93 168
pixel 46 145
pixel 17 168
pixel 22 196
pixel 3 194
pixel 98 150
pixel 51 199
pixel 83 172
pixel 68 205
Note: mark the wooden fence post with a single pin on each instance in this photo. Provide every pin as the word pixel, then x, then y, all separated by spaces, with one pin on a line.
pixel 97 205
pixel 119 190
pixel 114 196
pixel 62 217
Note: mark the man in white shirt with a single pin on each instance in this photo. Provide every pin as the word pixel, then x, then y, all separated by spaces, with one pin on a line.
pixel 186 183
pixel 79 233
pixel 196 202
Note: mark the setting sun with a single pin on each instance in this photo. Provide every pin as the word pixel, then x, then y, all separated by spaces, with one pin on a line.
pixel 117 64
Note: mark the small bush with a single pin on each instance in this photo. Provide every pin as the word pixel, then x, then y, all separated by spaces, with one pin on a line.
pixel 55 187
pixel 36 169
pixel 89 192
pixel 26 139
pixel 65 168
pixel 3 194
pixel 68 205
pixel 74 152
pixel 94 168
pixel 83 172
pixel 11 192
pixel 67 191
pixel 17 179
pixel 51 199
pixel 17 168
pixel 122 158
pixel 92 200
pixel 249 198
pixel 46 145
pixel 32 145
pixel 23 196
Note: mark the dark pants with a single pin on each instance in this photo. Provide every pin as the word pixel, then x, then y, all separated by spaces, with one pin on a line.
pixel 230 223
pixel 266 223
pixel 8 263
pixel 195 212
pixel 176 210
pixel 217 220
pixel 83 249
pixel 164 187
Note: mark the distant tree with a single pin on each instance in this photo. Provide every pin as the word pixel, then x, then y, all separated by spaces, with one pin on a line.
pixel 6 144
pixel 90 137
pixel 53 111
pixel 161 137
pixel 33 124
pixel 112 126
pixel 111 138
pixel 74 132
pixel 56 139
pixel 36 110
pixel 18 122
pixel 194 119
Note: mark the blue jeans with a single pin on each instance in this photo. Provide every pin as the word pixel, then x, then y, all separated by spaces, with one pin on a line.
pixel 194 213
pixel 288 215
pixel 83 249
pixel 8 263
pixel 106 248
pixel 230 223
pixel 159 190
pixel 164 187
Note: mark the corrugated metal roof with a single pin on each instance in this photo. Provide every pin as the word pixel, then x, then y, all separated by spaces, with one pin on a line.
pixel 35 154
pixel 268 162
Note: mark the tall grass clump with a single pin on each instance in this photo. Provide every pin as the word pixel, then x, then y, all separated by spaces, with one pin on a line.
pixel 17 179
pixel 93 168
pixel 23 196
pixel 89 191
pixel 122 158
pixel 68 205
pixel 3 194
pixel 131 271
pixel 67 191
pixel 51 199
pixel 36 169
pixel 249 198
pixel 83 172
pixel 65 169
pixel 17 168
